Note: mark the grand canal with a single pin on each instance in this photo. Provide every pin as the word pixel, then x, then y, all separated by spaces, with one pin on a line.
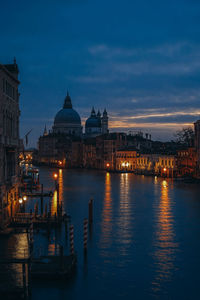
pixel 144 242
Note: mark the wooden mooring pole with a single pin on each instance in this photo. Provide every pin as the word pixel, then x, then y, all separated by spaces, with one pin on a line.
pixel 85 234
pixel 90 211
pixel 71 237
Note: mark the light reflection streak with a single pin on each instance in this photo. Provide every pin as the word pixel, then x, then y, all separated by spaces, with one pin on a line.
pixel 54 203
pixel 56 196
pixel 125 212
pixel 60 182
pixel 165 240
pixel 106 238
pixel 17 247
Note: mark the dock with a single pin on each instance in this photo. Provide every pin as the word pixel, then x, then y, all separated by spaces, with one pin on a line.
pixel 53 267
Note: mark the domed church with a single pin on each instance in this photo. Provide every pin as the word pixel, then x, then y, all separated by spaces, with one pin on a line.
pixel 96 125
pixel 67 120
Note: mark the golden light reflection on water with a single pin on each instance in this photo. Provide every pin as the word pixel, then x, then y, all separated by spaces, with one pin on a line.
pixel 125 211
pixel 60 182
pixel 54 203
pixel 57 197
pixel 107 213
pixel 17 247
pixel 164 243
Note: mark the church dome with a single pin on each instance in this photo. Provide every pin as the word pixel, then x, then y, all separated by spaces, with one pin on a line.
pixel 93 121
pixel 67 120
pixel 67 115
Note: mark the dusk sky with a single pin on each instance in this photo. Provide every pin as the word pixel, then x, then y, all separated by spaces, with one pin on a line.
pixel 139 59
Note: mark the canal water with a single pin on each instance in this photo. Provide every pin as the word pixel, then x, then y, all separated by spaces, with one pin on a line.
pixel 144 242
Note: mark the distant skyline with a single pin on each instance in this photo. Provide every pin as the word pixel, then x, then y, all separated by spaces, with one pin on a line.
pixel 139 59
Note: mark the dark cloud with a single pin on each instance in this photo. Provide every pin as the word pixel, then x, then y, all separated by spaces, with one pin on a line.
pixel 134 57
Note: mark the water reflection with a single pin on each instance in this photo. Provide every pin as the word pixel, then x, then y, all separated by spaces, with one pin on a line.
pixel 15 246
pixel 57 198
pixel 107 213
pixel 165 240
pixel 60 182
pixel 125 211
pixel 54 203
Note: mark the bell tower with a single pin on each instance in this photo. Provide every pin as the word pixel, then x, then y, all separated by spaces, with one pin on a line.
pixel 104 122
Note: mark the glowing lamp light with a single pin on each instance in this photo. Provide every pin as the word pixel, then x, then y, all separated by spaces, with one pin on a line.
pixel 127 164
pixel 60 162
pixel 20 200
pixel 107 165
pixel 123 164
pixel 24 198
pixel 164 169
pixel 55 175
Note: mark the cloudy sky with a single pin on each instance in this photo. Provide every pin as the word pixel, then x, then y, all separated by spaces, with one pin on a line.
pixel 139 59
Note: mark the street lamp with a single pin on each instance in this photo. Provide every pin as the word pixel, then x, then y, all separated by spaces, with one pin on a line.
pixel 55 175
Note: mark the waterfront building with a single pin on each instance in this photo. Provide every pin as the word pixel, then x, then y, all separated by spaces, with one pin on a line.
pixel 187 162
pixel 89 153
pixel 53 148
pixel 9 142
pixel 140 141
pixel 156 164
pixel 75 158
pixel 150 164
pixel 106 147
pixel 96 125
pixel 126 160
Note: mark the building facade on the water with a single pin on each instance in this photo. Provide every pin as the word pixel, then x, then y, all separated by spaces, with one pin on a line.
pixel 9 142
pixel 152 164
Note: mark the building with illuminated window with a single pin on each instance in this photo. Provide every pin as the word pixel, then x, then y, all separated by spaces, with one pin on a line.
pixel 9 142
pixel 149 164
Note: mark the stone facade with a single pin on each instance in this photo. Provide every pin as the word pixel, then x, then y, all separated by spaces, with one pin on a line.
pixel 9 142
pixel 152 164
pixel 187 162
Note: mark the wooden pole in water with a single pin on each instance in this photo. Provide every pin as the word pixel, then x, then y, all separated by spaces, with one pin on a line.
pixel 71 236
pixel 85 234
pixel 90 211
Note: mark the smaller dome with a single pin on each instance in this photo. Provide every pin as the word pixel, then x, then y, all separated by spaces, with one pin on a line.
pixel 93 122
